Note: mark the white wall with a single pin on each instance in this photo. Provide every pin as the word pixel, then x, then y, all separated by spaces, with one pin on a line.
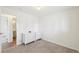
pixel 22 20
pixel 61 28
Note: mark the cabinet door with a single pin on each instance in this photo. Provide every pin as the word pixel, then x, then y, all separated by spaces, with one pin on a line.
pixel 29 36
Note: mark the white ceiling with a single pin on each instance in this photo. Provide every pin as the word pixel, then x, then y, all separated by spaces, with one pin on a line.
pixel 44 10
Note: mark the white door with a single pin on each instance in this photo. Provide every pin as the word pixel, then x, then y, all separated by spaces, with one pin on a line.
pixel 10 29
pixel 6 28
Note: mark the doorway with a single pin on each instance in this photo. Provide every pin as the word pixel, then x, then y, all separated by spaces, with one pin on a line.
pixel 14 30
pixel 10 31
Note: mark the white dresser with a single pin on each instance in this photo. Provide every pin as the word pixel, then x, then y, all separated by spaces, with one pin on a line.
pixel 28 36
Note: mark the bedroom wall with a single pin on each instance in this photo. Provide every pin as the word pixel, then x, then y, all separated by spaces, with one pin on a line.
pixel 61 28
pixel 22 20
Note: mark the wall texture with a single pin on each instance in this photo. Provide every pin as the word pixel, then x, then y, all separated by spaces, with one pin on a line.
pixel 61 28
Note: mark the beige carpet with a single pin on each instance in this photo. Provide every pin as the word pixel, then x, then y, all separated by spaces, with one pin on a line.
pixel 40 46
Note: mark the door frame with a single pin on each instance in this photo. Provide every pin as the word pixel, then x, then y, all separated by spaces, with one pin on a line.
pixel 8 15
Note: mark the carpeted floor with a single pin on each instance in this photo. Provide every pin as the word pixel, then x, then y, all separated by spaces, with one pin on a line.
pixel 40 46
pixel 9 45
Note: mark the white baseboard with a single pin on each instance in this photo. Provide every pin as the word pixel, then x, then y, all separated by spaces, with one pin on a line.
pixel 60 44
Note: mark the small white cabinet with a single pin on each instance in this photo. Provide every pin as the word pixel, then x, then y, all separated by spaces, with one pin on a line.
pixel 37 35
pixel 28 36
